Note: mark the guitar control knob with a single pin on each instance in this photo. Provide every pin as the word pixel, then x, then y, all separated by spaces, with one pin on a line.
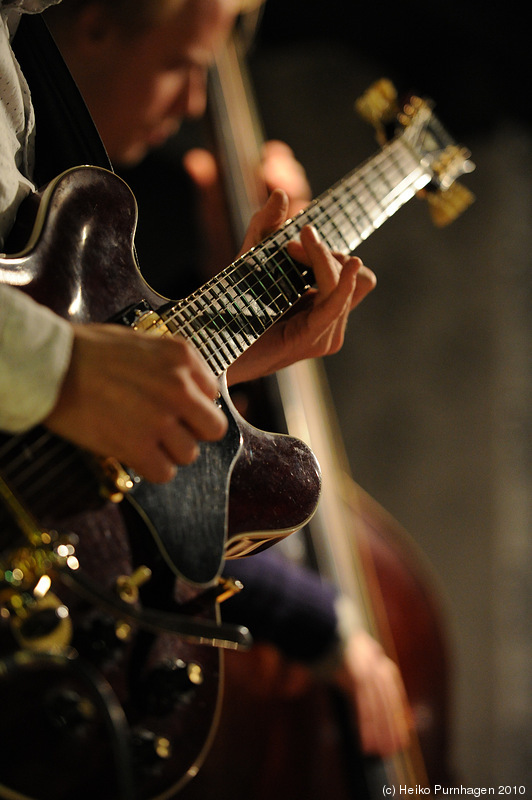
pixel 67 710
pixel 150 748
pixel 99 640
pixel 169 684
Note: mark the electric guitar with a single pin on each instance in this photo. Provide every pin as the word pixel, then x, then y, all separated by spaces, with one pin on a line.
pixel 62 521
pixel 80 262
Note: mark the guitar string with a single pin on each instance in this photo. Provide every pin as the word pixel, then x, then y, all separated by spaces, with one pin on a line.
pixel 47 464
pixel 357 179
pixel 323 213
pixel 364 179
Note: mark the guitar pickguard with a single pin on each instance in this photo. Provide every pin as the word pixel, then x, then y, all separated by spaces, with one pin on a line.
pixel 188 515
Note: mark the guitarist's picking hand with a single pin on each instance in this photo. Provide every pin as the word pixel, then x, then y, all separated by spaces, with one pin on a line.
pixel 317 325
pixel 144 400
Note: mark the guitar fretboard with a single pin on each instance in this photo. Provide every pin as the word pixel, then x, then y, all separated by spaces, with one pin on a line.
pixel 229 313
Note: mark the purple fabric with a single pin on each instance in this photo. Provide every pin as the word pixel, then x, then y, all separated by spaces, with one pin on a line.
pixel 284 604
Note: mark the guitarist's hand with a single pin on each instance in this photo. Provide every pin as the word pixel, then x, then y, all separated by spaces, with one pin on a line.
pixel 146 401
pixel 317 327
pixel 278 168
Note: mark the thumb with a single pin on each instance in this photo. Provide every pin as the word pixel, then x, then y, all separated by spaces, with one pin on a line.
pixel 268 219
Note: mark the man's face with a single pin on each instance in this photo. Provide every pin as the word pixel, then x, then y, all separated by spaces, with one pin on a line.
pixel 143 86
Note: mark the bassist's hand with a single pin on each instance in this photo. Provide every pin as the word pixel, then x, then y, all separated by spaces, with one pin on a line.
pixel 374 685
pixel 317 325
pixel 146 401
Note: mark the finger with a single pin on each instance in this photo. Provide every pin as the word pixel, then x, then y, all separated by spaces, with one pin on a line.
pixel 204 377
pixel 270 217
pixel 204 419
pixel 332 309
pixel 155 461
pixel 327 267
pixel 376 725
pixel 160 468
pixel 180 358
pixel 366 279
pixel 366 282
pixel 177 442
pixel 394 733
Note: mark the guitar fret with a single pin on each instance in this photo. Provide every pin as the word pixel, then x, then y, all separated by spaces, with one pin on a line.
pixel 234 325
pixel 233 310
pixel 227 349
pixel 374 202
pixel 14 443
pixel 289 279
pixel 193 329
pixel 208 340
pixel 276 278
pixel 378 189
pixel 351 223
pixel 286 289
pixel 332 233
pixel 363 225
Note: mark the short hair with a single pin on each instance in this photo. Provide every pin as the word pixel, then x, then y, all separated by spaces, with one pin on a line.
pixel 133 15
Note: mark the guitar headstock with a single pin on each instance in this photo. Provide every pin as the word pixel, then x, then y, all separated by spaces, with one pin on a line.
pixel 415 120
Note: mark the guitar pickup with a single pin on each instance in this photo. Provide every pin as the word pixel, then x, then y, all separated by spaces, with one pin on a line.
pixel 142 317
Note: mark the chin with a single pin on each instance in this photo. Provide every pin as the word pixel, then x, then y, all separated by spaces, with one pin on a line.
pixel 129 156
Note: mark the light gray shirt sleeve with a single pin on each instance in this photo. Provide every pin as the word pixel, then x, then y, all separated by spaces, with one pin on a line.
pixel 35 350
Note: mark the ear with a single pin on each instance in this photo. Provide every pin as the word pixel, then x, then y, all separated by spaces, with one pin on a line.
pixel 91 35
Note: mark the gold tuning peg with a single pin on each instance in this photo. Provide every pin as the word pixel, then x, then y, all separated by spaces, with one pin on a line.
pixel 378 104
pixel 446 206
pixel 128 586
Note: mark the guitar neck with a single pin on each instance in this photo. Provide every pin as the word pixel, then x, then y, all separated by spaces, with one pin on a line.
pixel 231 311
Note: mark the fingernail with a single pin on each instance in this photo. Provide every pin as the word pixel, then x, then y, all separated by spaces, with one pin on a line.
pixel 315 233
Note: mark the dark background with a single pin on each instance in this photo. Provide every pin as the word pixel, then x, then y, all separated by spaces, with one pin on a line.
pixel 433 385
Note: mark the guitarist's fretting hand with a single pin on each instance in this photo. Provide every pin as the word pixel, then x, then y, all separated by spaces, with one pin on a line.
pixel 146 401
pixel 318 326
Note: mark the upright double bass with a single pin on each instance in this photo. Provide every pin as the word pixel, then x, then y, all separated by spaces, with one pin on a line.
pixel 274 742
